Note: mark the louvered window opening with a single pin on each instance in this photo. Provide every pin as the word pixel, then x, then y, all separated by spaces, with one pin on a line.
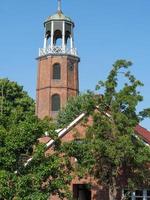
pixel 56 71
pixel 55 103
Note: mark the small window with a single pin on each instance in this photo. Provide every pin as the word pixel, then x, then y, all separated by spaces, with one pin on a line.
pixel 55 103
pixel 56 71
pixel 137 195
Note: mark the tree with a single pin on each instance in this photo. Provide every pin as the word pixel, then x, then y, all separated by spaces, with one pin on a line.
pixel 122 157
pixel 111 152
pixel 19 132
pixel 74 107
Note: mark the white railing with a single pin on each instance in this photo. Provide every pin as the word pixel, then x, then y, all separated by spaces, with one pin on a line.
pixel 57 50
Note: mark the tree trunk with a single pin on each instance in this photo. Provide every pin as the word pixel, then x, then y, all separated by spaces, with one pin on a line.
pixel 112 193
pixel 113 190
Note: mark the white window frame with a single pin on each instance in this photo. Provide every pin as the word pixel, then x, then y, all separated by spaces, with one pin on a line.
pixel 144 196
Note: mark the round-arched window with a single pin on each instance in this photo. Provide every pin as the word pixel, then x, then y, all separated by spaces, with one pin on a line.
pixel 56 102
pixel 56 71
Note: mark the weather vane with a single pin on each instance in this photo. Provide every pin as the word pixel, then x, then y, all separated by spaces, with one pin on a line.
pixel 59 5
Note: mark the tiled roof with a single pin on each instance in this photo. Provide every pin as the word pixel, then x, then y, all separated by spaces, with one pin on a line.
pixel 143 133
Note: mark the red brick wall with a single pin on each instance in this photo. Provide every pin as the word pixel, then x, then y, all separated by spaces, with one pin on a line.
pixel 67 86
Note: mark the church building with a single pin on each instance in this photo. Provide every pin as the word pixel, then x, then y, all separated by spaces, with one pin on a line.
pixel 57 80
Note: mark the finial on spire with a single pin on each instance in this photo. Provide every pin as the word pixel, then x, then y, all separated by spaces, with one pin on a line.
pixel 59 5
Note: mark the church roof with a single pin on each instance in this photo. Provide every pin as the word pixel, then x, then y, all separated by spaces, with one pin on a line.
pixel 143 133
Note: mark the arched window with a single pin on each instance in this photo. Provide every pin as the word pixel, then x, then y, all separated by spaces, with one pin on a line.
pixel 68 40
pixel 48 36
pixel 58 38
pixel 55 102
pixel 56 71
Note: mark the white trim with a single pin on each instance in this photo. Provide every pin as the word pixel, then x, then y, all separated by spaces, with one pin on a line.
pixel 61 132
pixel 65 130
pixel 57 50
pixel 139 138
pixel 144 194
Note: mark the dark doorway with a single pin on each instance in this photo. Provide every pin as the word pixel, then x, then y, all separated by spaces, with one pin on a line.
pixel 81 192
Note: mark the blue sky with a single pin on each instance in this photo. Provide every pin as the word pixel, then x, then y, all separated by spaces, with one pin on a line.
pixel 106 30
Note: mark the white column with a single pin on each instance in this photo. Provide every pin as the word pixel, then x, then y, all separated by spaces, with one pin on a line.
pixel 45 39
pixel 45 42
pixel 52 34
pixel 63 37
pixel 71 39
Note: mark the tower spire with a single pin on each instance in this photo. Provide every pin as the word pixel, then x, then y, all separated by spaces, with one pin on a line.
pixel 59 5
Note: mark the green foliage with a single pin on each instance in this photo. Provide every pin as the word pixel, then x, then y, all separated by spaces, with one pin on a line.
pixel 113 154
pixel 12 97
pixel 119 152
pixel 110 152
pixel 75 106
pixel 20 130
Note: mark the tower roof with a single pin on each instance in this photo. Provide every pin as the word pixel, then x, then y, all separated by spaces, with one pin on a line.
pixel 59 16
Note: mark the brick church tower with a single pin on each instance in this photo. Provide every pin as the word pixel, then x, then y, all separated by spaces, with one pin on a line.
pixel 57 65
